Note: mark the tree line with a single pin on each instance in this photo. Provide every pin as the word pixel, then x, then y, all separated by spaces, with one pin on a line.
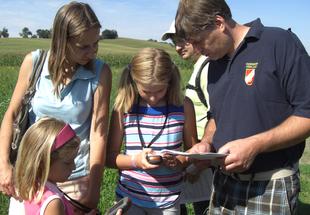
pixel 46 33
pixel 4 33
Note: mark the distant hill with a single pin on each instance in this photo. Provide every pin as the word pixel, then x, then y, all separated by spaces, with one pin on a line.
pixel 21 46
pixel 116 52
pixel 130 46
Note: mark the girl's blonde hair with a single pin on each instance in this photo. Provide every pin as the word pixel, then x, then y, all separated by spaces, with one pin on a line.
pixel 150 66
pixel 34 157
pixel 71 21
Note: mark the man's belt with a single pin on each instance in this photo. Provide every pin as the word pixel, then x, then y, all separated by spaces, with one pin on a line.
pixel 265 176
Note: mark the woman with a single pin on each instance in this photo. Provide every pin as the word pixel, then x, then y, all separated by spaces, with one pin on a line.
pixel 75 87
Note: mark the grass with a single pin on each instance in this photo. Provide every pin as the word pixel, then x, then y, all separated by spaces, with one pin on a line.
pixel 117 53
pixel 304 196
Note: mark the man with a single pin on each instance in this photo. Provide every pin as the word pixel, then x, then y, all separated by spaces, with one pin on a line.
pixel 263 117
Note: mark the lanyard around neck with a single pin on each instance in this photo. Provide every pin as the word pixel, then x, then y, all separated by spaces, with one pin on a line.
pixel 157 135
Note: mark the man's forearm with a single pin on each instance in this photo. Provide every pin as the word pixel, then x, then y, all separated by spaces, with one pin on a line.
pixel 289 133
pixel 209 132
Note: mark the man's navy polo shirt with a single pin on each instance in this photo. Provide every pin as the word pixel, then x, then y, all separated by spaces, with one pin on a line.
pixel 266 81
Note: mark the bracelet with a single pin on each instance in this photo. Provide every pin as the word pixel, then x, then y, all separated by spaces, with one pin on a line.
pixel 133 161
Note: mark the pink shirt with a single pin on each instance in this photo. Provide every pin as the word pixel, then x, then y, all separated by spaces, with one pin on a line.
pixel 51 192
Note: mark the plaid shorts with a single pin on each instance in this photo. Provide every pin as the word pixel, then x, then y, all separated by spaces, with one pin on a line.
pixel 232 196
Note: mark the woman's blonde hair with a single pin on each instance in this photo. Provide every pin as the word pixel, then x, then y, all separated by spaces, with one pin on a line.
pixel 71 21
pixel 150 66
pixel 35 157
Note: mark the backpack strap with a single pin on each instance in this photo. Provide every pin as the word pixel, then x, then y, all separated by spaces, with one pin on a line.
pixel 197 86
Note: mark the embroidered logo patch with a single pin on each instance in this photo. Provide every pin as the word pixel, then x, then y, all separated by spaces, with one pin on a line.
pixel 250 73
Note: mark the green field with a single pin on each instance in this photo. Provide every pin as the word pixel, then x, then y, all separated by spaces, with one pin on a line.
pixel 117 53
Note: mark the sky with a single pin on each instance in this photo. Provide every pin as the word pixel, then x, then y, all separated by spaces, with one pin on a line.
pixel 148 19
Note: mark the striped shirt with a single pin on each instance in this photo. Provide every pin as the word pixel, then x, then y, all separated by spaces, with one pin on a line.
pixel 160 187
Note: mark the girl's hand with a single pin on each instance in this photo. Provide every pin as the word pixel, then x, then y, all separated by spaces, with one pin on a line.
pixel 141 161
pixel 6 180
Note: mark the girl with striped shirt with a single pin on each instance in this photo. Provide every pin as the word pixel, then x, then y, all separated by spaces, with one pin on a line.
pixel 150 115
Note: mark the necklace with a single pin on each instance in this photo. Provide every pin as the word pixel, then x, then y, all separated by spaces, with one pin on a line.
pixel 157 135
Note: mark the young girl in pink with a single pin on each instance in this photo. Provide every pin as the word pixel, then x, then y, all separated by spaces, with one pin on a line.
pixel 45 157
